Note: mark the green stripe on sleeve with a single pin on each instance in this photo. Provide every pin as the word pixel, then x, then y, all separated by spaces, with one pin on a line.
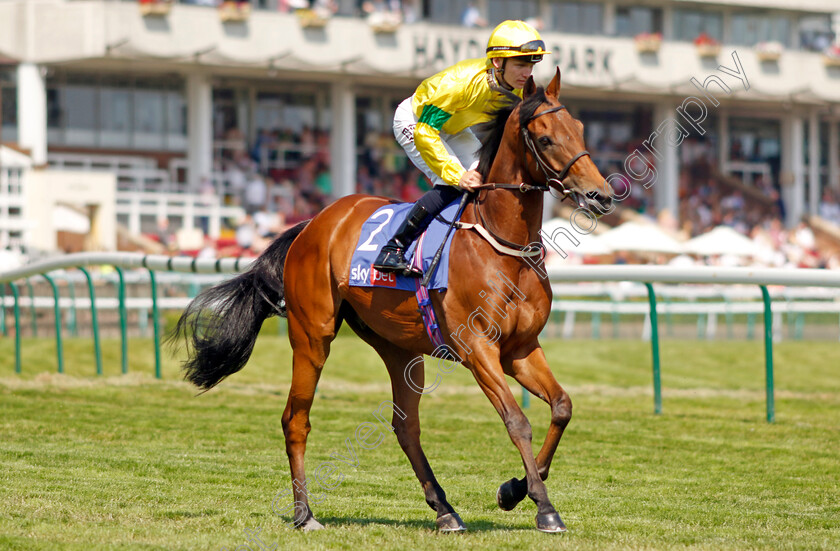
pixel 434 116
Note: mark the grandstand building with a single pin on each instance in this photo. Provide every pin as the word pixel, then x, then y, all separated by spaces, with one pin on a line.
pixel 170 97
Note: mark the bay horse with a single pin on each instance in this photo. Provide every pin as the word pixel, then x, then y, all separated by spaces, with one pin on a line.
pixel 304 275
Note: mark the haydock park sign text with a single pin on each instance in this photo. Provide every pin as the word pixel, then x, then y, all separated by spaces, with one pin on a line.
pixel 439 52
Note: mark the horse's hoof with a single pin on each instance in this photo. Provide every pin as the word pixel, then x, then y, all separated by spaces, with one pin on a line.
pixel 507 496
pixel 550 523
pixel 450 522
pixel 310 525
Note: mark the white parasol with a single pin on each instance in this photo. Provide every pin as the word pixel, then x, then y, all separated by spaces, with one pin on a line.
pixel 639 237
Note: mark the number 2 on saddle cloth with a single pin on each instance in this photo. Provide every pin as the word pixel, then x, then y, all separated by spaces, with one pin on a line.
pixel 374 235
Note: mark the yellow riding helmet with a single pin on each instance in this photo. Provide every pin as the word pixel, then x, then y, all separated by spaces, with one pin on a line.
pixel 516 39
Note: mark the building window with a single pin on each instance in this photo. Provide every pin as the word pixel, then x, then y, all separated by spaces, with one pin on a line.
pixel 8 106
pixel 149 112
pixel 81 120
pixel 815 32
pixel 55 113
pixel 754 140
pixel 501 10
pixel 751 28
pixel 631 21
pixel 176 120
pixel 116 112
pixel 689 24
pixel 577 17
pixel 285 113
pixel 447 12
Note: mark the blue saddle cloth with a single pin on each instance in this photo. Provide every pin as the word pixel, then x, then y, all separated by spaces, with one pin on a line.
pixel 378 229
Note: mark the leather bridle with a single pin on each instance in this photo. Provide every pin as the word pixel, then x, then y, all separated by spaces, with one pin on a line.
pixel 551 175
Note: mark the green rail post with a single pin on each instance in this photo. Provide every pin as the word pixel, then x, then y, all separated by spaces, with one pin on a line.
pixel 798 326
pixel 16 294
pixel 596 325
pixel 34 323
pixel 669 320
pixel 654 346
pixel 615 321
pixel 768 353
pixel 3 329
pixel 57 309
pixel 789 318
pixel 123 320
pixel 730 319
pixel 155 324
pixel 72 326
pixel 750 326
pixel 526 398
pixel 94 321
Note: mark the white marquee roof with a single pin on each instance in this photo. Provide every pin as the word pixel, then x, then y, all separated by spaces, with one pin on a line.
pixel 722 240
pixel 640 237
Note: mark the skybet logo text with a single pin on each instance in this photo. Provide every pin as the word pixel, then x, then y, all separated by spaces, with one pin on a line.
pixel 361 273
pixel 382 279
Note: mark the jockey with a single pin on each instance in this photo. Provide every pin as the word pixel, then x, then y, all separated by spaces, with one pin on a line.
pixel 433 126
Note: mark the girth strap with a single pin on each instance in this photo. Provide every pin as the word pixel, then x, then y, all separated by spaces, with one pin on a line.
pixel 528 251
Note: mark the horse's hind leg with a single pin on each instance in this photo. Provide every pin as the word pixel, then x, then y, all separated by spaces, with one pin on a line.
pixel 407 426
pixel 310 345
pixel 532 372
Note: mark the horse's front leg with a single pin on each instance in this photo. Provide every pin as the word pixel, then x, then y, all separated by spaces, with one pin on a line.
pixel 531 370
pixel 490 377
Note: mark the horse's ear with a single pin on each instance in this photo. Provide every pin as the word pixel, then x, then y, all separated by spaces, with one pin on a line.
pixel 529 87
pixel 554 86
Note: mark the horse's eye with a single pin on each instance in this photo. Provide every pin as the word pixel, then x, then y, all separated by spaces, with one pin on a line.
pixel 545 142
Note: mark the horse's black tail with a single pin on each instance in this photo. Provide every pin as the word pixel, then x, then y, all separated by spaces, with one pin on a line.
pixel 220 326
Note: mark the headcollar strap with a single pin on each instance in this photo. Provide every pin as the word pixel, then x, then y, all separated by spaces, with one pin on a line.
pixel 548 171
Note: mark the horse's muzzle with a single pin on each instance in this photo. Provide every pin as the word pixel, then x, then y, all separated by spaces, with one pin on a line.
pixel 593 201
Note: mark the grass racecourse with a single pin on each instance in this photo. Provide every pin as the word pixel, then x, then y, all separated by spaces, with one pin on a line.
pixel 130 462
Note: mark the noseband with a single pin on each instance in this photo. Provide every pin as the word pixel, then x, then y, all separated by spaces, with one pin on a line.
pixel 551 175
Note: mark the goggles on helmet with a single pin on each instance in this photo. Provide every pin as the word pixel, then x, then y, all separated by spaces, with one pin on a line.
pixel 527 48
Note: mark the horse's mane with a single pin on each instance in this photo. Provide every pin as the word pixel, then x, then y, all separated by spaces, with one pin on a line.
pixel 491 132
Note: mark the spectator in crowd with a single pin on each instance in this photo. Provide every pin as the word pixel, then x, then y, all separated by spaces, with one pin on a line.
pixel 255 195
pixel 323 183
pixel 163 233
pixel 411 11
pixel 829 208
pixel 381 13
pixel 292 5
pixel 264 140
pixel 246 233
pixel 206 197
pixel 208 251
pixel 472 18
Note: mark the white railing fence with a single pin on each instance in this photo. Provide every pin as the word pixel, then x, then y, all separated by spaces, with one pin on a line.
pixel 647 275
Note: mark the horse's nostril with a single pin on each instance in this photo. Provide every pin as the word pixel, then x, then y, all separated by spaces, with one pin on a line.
pixel 593 195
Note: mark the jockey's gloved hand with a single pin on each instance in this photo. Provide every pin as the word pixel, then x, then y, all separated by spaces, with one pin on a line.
pixel 470 181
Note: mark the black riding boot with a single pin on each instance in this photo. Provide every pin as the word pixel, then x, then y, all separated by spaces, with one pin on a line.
pixel 392 256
